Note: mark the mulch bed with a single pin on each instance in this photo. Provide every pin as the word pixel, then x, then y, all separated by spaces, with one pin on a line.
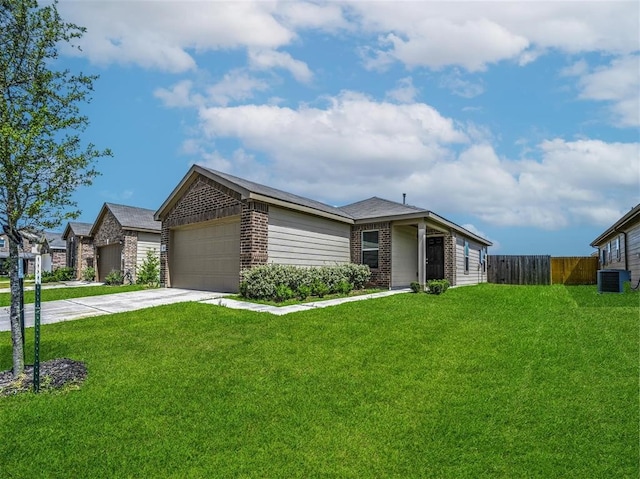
pixel 54 374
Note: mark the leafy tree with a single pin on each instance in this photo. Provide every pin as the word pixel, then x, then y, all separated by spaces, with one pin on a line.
pixel 42 158
pixel 149 272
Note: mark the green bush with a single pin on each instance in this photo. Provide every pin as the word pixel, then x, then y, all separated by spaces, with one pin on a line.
pixel 416 287
pixel 303 291
pixel 64 274
pixel 89 274
pixel 149 272
pixel 344 287
pixel 283 292
pixel 319 289
pixel 437 286
pixel 114 278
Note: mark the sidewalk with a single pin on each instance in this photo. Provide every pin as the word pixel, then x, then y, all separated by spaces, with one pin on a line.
pixel 89 306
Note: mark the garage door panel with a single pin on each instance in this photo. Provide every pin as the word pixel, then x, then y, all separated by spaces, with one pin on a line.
pixel 109 259
pixel 207 257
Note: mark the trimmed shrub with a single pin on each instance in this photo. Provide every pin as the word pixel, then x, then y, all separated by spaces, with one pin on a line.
pixel 64 274
pixel 261 282
pixel 89 274
pixel 114 278
pixel 437 286
pixel 283 292
pixel 416 287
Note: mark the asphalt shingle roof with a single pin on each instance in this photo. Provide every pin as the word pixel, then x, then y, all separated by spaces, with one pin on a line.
pixel 379 207
pixel 80 229
pixel 134 218
pixel 55 240
pixel 279 194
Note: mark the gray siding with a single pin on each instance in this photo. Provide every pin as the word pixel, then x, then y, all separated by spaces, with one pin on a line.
pixel 633 255
pixel 404 256
pixel 304 240
pixel 475 274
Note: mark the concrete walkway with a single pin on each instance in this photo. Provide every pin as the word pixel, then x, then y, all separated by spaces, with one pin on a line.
pixel 70 309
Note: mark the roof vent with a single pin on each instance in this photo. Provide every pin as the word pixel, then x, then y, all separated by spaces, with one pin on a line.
pixel 404 198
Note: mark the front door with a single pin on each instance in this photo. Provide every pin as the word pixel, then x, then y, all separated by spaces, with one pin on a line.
pixel 435 257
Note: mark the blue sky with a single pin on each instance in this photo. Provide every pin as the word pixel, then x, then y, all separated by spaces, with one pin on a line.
pixel 517 120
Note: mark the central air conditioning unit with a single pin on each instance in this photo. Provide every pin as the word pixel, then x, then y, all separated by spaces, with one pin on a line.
pixel 612 280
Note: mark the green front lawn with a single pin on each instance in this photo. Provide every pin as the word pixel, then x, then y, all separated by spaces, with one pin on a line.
pixel 68 292
pixel 487 381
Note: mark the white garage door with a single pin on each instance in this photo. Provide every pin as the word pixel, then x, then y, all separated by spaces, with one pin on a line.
pixel 206 258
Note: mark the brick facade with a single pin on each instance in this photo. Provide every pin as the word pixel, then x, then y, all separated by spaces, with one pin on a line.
pixel 381 276
pixel 108 232
pixel 80 254
pixel 207 200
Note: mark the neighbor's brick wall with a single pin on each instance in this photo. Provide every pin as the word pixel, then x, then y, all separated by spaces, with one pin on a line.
pixel 203 201
pixel 130 252
pixel 254 235
pixel 381 276
pixel 58 259
pixel 108 232
pixel 80 253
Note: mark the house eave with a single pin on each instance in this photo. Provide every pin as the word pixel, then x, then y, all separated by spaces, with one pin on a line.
pixel 618 227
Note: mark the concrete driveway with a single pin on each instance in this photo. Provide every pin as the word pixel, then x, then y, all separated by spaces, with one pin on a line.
pixel 70 309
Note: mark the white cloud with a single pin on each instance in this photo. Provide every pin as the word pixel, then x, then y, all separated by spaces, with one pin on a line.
pixel 268 59
pixel 619 84
pixel 438 34
pixel 454 82
pixel 178 96
pixel 161 35
pixel 404 92
pixel 235 86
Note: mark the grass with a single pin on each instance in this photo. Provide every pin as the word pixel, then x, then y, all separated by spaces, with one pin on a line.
pixel 53 294
pixel 487 381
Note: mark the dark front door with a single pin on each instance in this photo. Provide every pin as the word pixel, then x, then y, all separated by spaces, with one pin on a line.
pixel 435 258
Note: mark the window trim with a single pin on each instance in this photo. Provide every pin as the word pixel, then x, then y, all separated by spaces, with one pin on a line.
pixel 363 249
pixel 466 257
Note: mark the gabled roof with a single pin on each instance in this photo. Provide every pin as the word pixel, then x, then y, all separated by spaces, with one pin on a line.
pixel 374 209
pixel 250 190
pixel 77 228
pixel 55 240
pixel 632 217
pixel 379 207
pixel 129 217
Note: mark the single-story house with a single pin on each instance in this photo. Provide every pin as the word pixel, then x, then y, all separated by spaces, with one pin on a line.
pixel 216 225
pixel 80 251
pixel 54 251
pixel 122 235
pixel 619 245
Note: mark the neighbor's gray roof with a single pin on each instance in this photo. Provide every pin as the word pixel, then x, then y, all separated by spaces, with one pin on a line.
pixel 379 207
pixel 134 218
pixel 130 218
pixel 55 240
pixel 80 229
pixel 279 194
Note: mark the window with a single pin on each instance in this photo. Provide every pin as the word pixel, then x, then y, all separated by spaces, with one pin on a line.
pixel 2 243
pixel 483 259
pixel 618 248
pixel 609 252
pixel 466 256
pixel 603 256
pixel 370 248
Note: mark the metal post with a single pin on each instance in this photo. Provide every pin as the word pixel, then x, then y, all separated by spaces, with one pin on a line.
pixel 21 284
pixel 36 357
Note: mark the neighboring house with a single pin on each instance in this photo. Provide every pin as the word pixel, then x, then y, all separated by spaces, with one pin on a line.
pixel 215 225
pixel 26 256
pixel 54 251
pixel 80 253
pixel 122 235
pixel 619 245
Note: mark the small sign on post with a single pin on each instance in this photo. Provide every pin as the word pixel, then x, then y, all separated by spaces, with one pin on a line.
pixel 36 356
pixel 21 285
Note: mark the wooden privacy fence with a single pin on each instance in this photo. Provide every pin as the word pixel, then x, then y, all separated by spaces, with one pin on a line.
pixel 574 270
pixel 510 269
pixel 541 269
